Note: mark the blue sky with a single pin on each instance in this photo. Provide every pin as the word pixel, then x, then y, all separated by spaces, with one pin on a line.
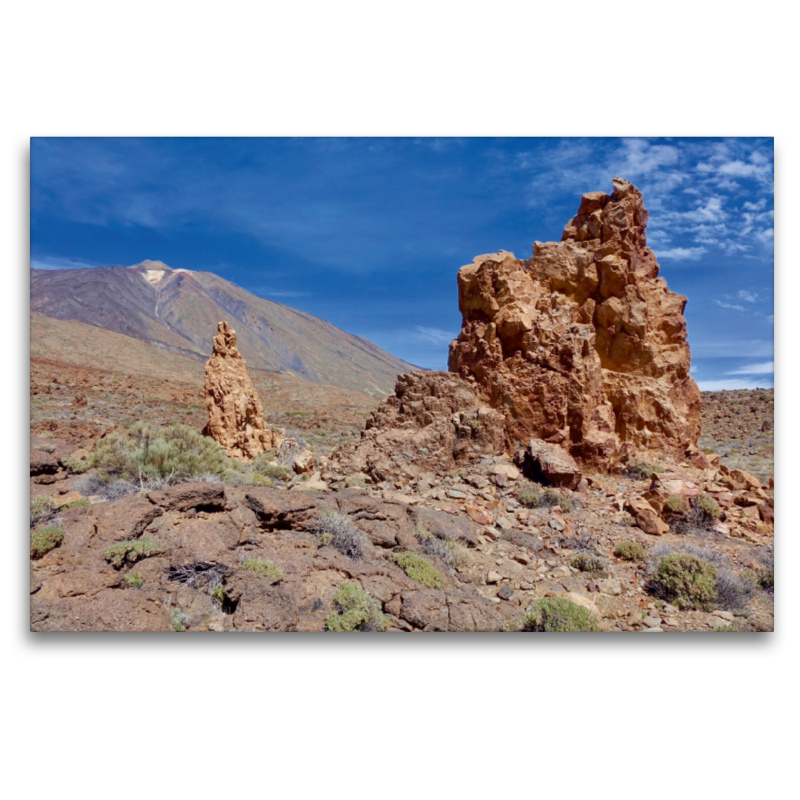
pixel 370 233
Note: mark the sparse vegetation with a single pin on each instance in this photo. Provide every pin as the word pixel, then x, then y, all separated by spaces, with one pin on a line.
pixel 77 466
pixel 355 610
pixel 262 566
pixel 640 471
pixel 355 480
pixel 766 575
pixel 46 539
pixel 675 504
pixel 130 551
pixel 686 581
pixel 586 562
pixel 531 496
pixel 629 551
pixel 708 508
pixel 418 569
pixel 344 535
pixel 555 615
pixel 735 590
pixel 134 580
pixel 179 620
pixel 41 509
pixel 449 551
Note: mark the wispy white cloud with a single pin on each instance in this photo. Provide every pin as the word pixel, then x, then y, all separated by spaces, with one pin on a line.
pixel 732 348
pixel 764 368
pixel 749 297
pixel 433 335
pixel 728 305
pixel 56 262
pixel 682 253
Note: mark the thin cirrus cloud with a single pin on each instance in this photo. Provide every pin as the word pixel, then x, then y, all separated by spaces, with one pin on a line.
pixel 749 297
pixel 721 304
pixel 764 368
pixel 682 253
pixel 433 335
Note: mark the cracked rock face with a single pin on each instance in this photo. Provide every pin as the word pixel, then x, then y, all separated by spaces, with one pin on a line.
pixel 583 345
pixel 235 414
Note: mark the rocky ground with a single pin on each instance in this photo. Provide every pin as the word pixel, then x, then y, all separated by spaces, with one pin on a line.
pixel 739 425
pixel 191 574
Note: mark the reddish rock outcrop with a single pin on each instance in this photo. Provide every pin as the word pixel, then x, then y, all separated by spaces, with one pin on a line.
pixel 433 422
pixel 235 415
pixel 583 345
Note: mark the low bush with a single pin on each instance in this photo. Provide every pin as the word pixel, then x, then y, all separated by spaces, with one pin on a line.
pixel 629 551
pixel 41 509
pixel 339 531
pixel 640 471
pixel 44 540
pixel 134 580
pixel 355 480
pixel 766 574
pixel 418 569
pixel 177 451
pixel 675 504
pixel 130 551
pixel 707 508
pixel 355 610
pixel 556 615
pixel 586 562
pixel 77 466
pixel 735 590
pixel 450 552
pixel 686 581
pixel 179 620
pixel 531 496
pixel 261 566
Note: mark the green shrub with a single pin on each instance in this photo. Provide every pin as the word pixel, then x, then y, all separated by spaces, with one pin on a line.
pixel 355 610
pixel 686 581
pixel 557 615
pixel 179 620
pixel 135 580
pixel 418 569
pixel 267 468
pixel 77 466
pixel 629 551
pixel 130 551
pixel 675 504
pixel 355 480
pixel 640 471
pixel 338 530
pixel 218 594
pixel 529 496
pixel 261 566
pixel 41 508
pixel 586 562
pixel 45 539
pixel 708 508
pixel 552 497
pixel 177 451
pixel 80 503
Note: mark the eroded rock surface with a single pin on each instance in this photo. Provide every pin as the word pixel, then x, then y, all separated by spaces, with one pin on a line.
pixel 235 415
pixel 583 345
pixel 434 421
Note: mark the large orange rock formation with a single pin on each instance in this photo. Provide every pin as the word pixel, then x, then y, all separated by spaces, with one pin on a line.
pixel 583 345
pixel 235 414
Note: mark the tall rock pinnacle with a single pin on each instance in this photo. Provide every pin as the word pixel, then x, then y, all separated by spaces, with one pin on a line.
pixel 235 414
pixel 582 345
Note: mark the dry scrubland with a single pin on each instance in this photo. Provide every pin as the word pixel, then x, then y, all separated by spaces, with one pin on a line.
pixel 555 479
pixel 452 552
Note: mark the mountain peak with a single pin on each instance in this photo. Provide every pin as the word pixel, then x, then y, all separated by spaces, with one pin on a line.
pixel 148 264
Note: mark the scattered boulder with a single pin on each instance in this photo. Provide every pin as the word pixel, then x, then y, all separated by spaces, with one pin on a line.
pixel 235 414
pixel 646 516
pixel 549 462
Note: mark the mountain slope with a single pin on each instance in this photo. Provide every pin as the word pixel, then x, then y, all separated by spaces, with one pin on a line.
pixel 179 310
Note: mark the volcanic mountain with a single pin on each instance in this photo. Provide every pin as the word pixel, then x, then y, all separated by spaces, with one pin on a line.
pixel 178 310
